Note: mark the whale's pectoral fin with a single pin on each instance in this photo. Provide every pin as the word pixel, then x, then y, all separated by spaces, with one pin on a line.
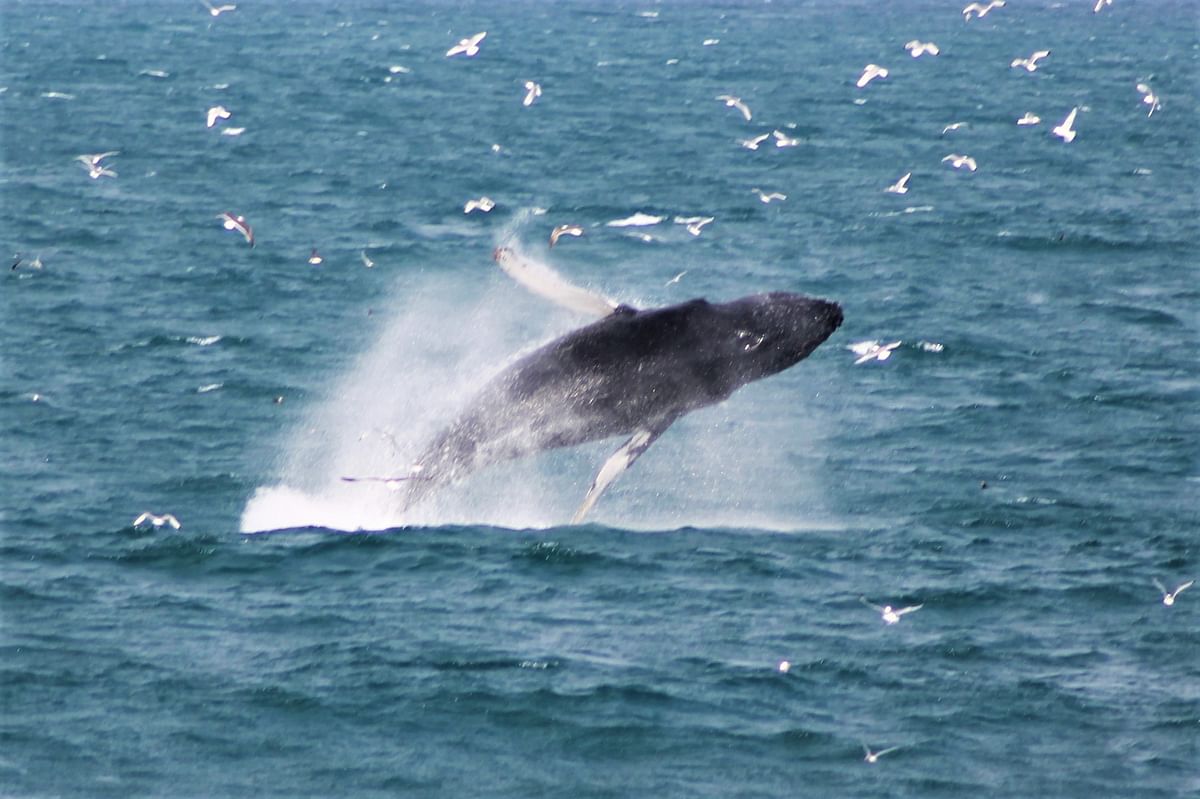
pixel 544 281
pixel 617 463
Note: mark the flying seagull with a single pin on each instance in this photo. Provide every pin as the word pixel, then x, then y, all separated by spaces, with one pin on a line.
pixel 735 102
pixel 1029 119
pixel 1149 98
pixel 238 223
pixel 484 204
pixel 532 92
pixel 872 351
pixel 870 73
pixel 94 160
pixel 1030 64
pixel 217 11
pixel 157 521
pixel 872 757
pixel 981 9
pixel 766 198
pixel 564 230
pixel 217 112
pixel 960 161
pixel 467 47
pixel 1064 131
pixel 752 144
pixel 917 49
pixel 889 614
pixel 1169 596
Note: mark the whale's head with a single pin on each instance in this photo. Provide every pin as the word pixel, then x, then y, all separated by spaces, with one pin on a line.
pixel 767 333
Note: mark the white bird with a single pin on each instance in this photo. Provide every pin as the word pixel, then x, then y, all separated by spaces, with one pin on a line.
pixel 784 140
pixel 981 9
pixel 1029 119
pixel 872 757
pixel 94 160
pixel 694 223
pixel 1100 4
pixel 872 351
pixel 314 258
pixel 217 112
pixel 889 614
pixel 870 73
pixel 157 521
pixel 1149 98
pixel 564 230
pixel 367 262
pixel 784 667
pixel 960 161
pixel 1064 131
pixel 1169 596
pixel 217 11
pixel 675 279
pixel 467 47
pixel 231 222
pixel 97 171
pixel 917 49
pixel 1030 64
pixel 484 204
pixel 532 92
pixel 953 126
pixel 752 144
pixel 900 186
pixel 766 198
pixel 735 102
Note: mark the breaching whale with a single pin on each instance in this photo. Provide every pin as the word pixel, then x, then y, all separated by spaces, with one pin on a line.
pixel 632 373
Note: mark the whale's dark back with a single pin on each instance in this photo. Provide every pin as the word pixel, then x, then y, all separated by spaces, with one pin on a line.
pixel 633 370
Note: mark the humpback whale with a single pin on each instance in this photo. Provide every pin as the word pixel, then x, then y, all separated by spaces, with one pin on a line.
pixel 633 373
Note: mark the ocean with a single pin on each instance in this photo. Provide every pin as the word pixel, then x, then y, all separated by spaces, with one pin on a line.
pixel 1022 468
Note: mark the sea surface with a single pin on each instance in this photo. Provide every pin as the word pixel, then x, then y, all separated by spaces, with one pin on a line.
pixel 1023 467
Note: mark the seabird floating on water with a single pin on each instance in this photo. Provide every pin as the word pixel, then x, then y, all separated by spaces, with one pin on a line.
pixel 315 258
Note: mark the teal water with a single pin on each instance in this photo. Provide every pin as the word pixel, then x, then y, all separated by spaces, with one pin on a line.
pixel 301 636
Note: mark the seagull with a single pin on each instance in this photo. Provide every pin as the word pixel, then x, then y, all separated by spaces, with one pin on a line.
pixel 1100 4
pixel 367 262
pixel 157 521
pixel 1149 98
pixel 532 92
pixel 239 224
pixel 784 140
pixel 752 144
pixel 1063 130
pixel 675 279
pixel 870 73
pixel 766 198
pixel 97 171
pixel 917 49
pixel 217 11
pixel 467 47
pixel 872 350
pixel 484 204
pixel 217 112
pixel 94 160
pixel 953 126
pixel 1029 119
pixel 900 186
pixel 735 102
pixel 1030 63
pixel 784 667
pixel 960 161
pixel 694 223
pixel 1169 596
pixel 874 756
pixel 889 614
pixel 315 258
pixel 564 230
pixel 980 9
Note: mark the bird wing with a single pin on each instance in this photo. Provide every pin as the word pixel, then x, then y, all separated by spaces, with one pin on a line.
pixel 863 600
pixel 1159 585
pixel 1070 120
pixel 539 278
pixel 909 609
pixel 1188 584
